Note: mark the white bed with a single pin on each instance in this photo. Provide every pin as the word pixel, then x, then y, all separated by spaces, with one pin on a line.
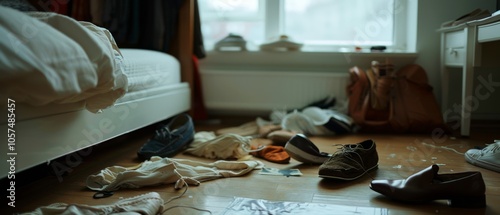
pixel 44 132
pixel 48 132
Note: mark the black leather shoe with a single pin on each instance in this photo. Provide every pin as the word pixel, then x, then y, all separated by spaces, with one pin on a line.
pixel 464 189
pixel 351 161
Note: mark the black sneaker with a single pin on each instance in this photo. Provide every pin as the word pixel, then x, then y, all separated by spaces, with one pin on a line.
pixel 169 139
pixel 300 148
pixel 351 161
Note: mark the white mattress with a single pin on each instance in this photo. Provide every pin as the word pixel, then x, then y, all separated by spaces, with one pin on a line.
pixel 149 73
pixel 147 69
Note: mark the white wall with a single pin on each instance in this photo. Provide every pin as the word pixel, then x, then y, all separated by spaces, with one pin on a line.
pixel 431 14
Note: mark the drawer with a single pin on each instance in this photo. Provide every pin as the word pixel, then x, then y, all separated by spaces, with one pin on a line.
pixel 455 39
pixel 454 56
pixel 489 32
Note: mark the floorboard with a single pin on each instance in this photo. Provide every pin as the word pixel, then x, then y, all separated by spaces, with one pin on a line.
pixel 400 155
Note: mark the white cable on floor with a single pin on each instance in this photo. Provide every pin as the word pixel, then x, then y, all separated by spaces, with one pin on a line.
pixel 179 196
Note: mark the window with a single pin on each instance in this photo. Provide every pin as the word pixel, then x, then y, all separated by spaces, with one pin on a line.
pixel 321 25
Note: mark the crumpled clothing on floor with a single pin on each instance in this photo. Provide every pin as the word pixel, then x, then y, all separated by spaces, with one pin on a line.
pixel 149 203
pixel 313 121
pixel 318 122
pixel 159 170
pixel 225 146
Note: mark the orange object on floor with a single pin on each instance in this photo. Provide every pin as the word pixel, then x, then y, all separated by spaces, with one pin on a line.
pixel 275 154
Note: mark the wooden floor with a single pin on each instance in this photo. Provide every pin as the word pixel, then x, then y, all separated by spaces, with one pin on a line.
pixel 400 156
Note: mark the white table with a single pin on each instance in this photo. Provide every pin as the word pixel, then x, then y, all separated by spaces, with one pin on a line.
pixel 461 46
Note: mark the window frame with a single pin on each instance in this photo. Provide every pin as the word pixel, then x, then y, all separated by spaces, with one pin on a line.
pixel 274 25
pixel 320 60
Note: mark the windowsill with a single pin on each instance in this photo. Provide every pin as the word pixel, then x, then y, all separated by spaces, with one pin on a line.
pixel 300 60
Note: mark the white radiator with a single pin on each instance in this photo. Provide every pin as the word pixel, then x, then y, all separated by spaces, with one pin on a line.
pixel 258 91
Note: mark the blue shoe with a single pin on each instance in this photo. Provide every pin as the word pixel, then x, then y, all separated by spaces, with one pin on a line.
pixel 169 139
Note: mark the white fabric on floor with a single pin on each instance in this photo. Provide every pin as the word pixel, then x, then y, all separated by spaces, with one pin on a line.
pixel 150 204
pixel 159 170
pixel 208 145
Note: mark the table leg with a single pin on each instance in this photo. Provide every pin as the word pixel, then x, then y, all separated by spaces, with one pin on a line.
pixel 467 100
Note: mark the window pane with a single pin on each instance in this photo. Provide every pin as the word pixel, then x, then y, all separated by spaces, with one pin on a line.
pixel 221 17
pixel 340 22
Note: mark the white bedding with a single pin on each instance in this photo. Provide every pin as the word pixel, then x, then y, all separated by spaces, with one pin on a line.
pixel 50 64
pixel 48 58
pixel 61 72
pixel 150 73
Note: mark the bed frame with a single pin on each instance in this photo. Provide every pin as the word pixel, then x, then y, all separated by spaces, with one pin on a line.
pixel 42 140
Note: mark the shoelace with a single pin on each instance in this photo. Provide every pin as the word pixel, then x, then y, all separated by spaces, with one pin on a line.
pixel 491 148
pixel 164 135
pixel 346 152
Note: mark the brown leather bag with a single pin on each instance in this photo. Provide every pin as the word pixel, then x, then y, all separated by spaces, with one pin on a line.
pixel 381 100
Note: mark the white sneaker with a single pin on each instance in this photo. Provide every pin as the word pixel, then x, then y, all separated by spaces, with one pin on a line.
pixel 488 157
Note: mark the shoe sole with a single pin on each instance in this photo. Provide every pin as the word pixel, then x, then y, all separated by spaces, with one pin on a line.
pixel 350 179
pixel 299 155
pixel 482 164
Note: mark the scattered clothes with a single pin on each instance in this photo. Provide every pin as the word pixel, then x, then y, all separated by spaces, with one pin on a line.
pixel 280 137
pixel 311 121
pixel 301 123
pixel 248 129
pixel 275 154
pixel 226 146
pixel 318 122
pixel 325 103
pixel 159 170
pixel 149 203
pixel 334 121
pixel 265 130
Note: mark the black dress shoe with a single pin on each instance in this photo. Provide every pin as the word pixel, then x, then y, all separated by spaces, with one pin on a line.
pixel 465 189
pixel 351 161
